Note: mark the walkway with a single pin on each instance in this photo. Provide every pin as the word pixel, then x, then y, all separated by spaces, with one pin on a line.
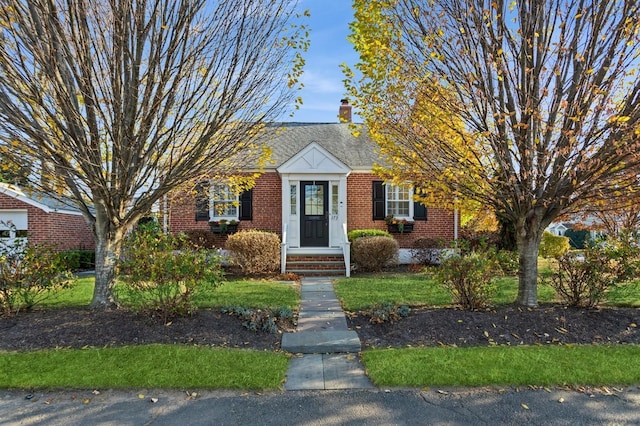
pixel 326 350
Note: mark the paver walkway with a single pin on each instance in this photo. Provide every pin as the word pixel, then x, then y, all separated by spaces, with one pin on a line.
pixel 326 350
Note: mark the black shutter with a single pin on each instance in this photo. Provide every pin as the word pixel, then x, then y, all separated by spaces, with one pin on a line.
pixel 419 211
pixel 246 205
pixel 378 200
pixel 202 201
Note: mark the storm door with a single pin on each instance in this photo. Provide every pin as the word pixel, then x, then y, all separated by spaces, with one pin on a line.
pixel 314 220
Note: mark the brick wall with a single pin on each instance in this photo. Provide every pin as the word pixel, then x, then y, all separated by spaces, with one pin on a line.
pixel 439 223
pixel 267 211
pixel 65 231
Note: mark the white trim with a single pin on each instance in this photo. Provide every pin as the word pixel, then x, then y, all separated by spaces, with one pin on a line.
pixel 314 163
pixel 15 192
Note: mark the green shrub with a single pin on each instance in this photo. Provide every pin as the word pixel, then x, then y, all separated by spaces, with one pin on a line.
pixel 359 233
pixel 374 253
pixel 469 278
pixel 78 260
pixel 387 312
pixel 509 261
pixel 255 252
pixel 29 274
pixel 554 246
pixel 159 280
pixel 426 251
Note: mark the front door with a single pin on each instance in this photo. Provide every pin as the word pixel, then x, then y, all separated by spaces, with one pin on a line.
pixel 314 226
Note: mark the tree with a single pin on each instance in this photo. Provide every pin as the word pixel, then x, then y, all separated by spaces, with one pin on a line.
pixel 530 107
pixel 120 102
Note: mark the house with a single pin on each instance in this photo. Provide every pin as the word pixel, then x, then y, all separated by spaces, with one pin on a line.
pixel 318 186
pixel 42 219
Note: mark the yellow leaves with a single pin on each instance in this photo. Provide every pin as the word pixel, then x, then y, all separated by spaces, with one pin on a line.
pixel 619 119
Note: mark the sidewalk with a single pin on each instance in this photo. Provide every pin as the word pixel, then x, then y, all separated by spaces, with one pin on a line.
pixel 327 351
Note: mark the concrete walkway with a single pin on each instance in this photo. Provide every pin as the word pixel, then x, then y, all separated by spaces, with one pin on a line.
pixel 326 350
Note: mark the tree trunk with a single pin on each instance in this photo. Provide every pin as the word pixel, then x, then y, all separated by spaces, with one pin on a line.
pixel 108 245
pixel 528 247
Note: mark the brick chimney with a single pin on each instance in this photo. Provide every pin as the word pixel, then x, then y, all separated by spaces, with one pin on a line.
pixel 345 111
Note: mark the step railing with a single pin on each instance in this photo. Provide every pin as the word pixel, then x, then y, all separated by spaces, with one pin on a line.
pixel 346 250
pixel 283 250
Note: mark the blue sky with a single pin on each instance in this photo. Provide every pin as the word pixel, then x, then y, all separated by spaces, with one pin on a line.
pixel 329 48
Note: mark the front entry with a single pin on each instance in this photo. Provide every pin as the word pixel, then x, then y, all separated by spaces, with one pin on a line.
pixel 314 223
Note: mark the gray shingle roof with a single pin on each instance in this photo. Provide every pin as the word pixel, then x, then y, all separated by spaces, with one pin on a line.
pixel 358 153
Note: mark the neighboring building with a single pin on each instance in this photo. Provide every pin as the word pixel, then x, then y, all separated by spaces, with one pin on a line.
pixel 42 219
pixel 319 185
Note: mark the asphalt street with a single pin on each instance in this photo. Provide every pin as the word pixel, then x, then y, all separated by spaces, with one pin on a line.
pixel 490 406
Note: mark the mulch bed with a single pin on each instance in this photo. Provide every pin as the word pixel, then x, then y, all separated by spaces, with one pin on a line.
pixel 505 325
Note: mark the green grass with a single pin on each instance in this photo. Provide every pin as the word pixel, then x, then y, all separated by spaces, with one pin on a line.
pixel 246 293
pixel 77 296
pixel 150 366
pixel 505 365
pixel 156 366
pixel 626 294
pixel 417 290
pixel 252 294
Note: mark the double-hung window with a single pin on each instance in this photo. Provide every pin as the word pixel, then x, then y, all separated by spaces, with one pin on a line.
pixel 224 203
pixel 399 201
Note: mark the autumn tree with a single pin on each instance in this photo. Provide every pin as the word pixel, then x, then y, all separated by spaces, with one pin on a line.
pixel 530 107
pixel 119 102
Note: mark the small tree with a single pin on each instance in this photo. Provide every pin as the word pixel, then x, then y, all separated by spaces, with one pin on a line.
pixel 161 274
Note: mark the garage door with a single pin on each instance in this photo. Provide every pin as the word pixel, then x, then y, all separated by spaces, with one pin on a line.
pixel 13 224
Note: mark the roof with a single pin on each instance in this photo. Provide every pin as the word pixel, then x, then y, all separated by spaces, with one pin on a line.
pixel 358 153
pixel 40 200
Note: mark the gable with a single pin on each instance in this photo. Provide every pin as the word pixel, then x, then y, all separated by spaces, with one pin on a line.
pixel 313 159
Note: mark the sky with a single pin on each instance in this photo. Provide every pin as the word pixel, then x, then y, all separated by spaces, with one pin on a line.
pixel 329 48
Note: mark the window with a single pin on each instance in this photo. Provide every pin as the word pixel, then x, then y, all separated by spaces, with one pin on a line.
pixel 215 202
pixel 224 202
pixel 293 199
pixel 334 199
pixel 397 201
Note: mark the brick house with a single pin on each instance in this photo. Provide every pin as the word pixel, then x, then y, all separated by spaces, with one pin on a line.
pixel 42 219
pixel 318 186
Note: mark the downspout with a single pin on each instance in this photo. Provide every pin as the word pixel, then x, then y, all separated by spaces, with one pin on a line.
pixel 455 224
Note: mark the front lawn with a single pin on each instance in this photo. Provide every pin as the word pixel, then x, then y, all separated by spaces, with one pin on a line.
pixel 177 366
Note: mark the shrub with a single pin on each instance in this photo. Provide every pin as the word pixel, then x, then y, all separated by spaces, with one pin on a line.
pixel 359 233
pixel 582 281
pixel 255 252
pixel 29 274
pixel 78 260
pixel 157 279
pixel 426 251
pixel 388 312
pixel 260 320
pixel 200 238
pixel 508 261
pixel 469 278
pixel 554 246
pixel 374 253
